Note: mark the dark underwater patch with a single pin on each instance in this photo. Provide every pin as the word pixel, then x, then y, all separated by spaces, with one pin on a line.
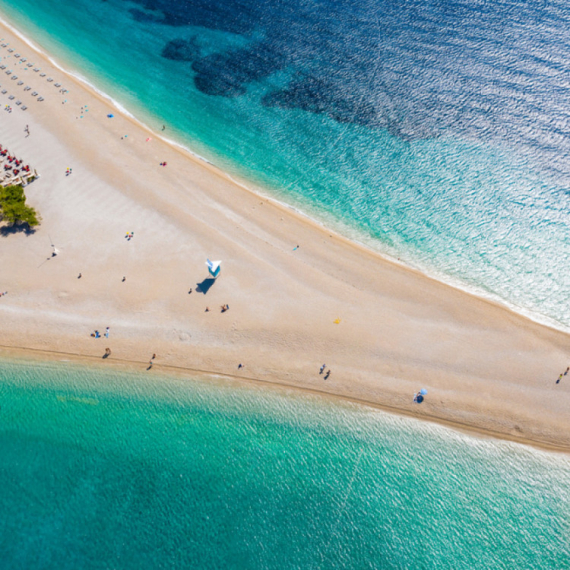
pixel 228 74
pixel 234 16
pixel 181 50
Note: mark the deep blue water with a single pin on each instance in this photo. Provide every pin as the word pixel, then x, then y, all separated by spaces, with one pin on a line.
pixel 101 469
pixel 436 132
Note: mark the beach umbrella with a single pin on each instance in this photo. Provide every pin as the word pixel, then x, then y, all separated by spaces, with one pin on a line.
pixel 213 267
pixel 423 391
pixel 110 116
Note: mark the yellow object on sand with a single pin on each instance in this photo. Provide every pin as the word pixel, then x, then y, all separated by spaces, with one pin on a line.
pixel 337 321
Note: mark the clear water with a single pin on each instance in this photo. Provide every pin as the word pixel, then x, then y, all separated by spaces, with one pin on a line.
pixel 101 469
pixel 437 132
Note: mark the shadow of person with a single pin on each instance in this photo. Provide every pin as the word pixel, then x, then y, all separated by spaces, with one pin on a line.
pixel 204 287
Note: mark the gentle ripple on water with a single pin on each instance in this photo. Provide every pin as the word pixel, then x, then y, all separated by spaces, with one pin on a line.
pixel 435 132
pixel 104 469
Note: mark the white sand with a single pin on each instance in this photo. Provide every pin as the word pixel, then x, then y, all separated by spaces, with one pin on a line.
pixel 485 367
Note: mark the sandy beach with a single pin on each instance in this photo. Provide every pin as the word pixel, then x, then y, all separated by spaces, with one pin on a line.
pixel 485 368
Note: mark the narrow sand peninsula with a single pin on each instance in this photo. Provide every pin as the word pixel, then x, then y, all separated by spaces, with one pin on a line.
pixel 484 367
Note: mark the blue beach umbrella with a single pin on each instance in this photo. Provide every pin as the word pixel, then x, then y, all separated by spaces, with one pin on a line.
pixel 423 391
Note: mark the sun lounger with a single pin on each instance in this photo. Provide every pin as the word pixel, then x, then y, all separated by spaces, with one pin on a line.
pixel 14 77
pixel 50 79
pixel 11 97
pixel 23 60
pixel 58 84
pixel 40 98
pixel 18 102
pixel 36 69
pixel 10 50
pixel 23 107
pixel 4 45
pixel 35 94
pixel 4 91
pixel 20 83
pixel 42 74
pixel 9 72
pixel 16 55
pixel 2 67
pixel 27 88
pixel 30 65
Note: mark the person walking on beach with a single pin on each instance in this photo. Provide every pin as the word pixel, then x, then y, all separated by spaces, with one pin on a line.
pixel 107 332
pixel 27 131
pixel 559 378
pixel 567 370
pixel 327 374
pixel 322 368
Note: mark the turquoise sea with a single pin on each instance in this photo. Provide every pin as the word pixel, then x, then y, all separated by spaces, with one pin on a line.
pixel 106 469
pixel 435 132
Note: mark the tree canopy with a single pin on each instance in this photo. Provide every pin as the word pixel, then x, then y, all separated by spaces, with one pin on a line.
pixel 13 207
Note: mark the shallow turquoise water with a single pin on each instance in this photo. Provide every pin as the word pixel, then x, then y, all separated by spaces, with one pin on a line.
pixel 104 469
pixel 437 133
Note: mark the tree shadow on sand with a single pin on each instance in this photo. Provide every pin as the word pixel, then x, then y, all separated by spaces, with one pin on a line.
pixel 8 230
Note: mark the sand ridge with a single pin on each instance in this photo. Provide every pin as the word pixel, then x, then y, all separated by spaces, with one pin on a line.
pixel 483 365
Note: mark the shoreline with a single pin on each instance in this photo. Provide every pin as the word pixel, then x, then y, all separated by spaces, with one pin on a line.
pixel 357 240
pixel 22 355
pixel 485 366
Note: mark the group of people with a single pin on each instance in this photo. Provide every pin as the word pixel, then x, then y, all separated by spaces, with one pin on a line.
pixel 129 236
pixel 8 108
pixel 322 369
pixel 68 171
pixel 4 293
pixel 563 374
pixel 97 334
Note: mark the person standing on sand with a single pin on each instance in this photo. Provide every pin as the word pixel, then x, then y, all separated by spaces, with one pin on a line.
pixel 322 368
pixel 559 378
pixel 327 374
pixel 567 369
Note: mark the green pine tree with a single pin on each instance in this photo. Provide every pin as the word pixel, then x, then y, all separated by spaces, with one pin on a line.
pixel 13 207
